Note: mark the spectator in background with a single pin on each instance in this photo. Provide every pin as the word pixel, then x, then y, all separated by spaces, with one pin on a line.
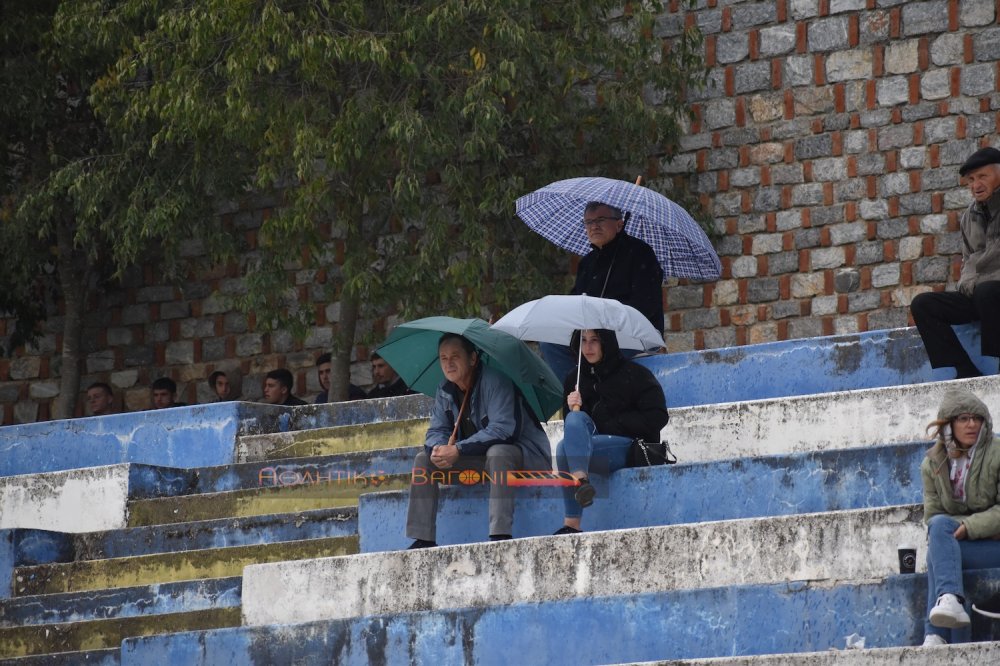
pixel 324 365
pixel 218 381
pixel 387 383
pixel 165 394
pixel 278 386
pixel 100 399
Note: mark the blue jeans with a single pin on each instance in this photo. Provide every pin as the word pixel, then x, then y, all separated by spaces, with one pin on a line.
pixel 583 450
pixel 947 557
pixel 562 360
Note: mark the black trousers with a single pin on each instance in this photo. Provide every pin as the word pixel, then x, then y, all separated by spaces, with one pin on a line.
pixel 935 312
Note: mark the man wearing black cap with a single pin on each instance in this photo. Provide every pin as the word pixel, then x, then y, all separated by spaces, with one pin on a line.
pixel 978 295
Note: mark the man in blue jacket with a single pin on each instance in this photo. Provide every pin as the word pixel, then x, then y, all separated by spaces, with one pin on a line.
pixel 480 423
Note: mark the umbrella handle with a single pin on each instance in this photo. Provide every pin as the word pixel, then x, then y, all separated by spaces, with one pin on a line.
pixel 575 408
pixel 638 180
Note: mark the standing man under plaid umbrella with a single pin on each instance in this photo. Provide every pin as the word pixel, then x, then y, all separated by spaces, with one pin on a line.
pixel 619 266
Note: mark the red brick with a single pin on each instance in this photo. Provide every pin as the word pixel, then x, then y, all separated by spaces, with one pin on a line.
pixel 785 287
pixel 895 19
pixel 765 176
pixel 806 218
pixel 918 133
pixel 776 74
pixel 727 19
pixel 675 322
pixel 742 290
pixel 730 81
pixel 906 273
pixel 789 105
pixel 937 202
pixel 953 16
pixel 923 54
pixel 956 81
pixel 828 194
pixel 927 246
pixel 824 7
pixel 820 69
pixel 839 102
pixel 782 11
pixel 770 222
pixel 827 325
pixel 762 265
pixel 699 339
pixel 741 335
pixel 710 42
pixel 788 241
pixel 828 283
pixel 783 329
pixel 871 98
pixel 741 113
pixel 889 251
pixel 866 277
pixel 862 321
pixel 893 206
pixel 803 261
pixel 915 181
pixel 914 82
pixel 801 38
pixel 753 44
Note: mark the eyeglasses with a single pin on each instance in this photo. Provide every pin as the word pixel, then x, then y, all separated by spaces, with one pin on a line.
pixel 598 220
pixel 966 418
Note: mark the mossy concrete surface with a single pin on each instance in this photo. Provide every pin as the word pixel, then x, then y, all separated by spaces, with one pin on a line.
pixel 98 634
pixel 170 567
pixel 327 441
pixel 306 495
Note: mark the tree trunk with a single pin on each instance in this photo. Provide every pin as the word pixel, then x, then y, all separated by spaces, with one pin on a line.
pixel 343 343
pixel 73 279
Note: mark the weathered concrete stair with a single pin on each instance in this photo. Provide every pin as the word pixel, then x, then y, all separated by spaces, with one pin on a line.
pixel 327 441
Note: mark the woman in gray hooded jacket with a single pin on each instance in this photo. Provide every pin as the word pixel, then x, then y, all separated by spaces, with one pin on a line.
pixel 961 473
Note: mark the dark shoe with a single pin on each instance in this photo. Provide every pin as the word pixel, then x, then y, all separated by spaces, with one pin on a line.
pixel 499 537
pixel 421 543
pixel 566 529
pixel 584 495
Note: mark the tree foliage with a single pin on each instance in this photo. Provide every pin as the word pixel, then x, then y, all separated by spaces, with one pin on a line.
pixel 396 135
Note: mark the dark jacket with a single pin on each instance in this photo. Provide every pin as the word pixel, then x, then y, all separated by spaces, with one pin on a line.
pixel 636 277
pixel 980 226
pixel 980 513
pixel 353 393
pixel 622 397
pixel 398 387
pixel 293 401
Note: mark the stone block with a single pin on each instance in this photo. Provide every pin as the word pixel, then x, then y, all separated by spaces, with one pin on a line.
pixel 910 248
pixel 679 163
pixel 891 318
pixel 744 267
pixel 957 199
pixel 826 257
pixel 785 309
pixel 282 342
pixel 762 290
pixel 726 292
pixel 175 310
pixel 44 390
pixel 786 220
pixel 117 336
pixel 715 86
pixel 709 21
pixel 875 117
pixel 806 238
pixel 763 332
pixel 862 301
pixel 124 378
pixel 9 392
pixel 743 315
pixel 740 136
pixel 723 158
pixel 250 344
pixel 956 152
pixel 811 147
pixel 787 174
pixel 949 243
pixel 852 189
pixel 930 269
pixel 831 168
pixel 847 280
pixel 913 158
pixel 921 18
pixel 935 84
pixel 892 228
pixel 727 246
pixel 155 294
pixel 719 113
pixel 678 342
pixel 803 9
pixel 828 35
pixel 25 411
pixel 978 80
pixel 841 6
pixel 797 71
pixel 732 47
pixel 705 182
pixel 947 49
pixel 135 314
pixel 766 243
pixel 805 327
pixel 668 25
pixel 885 275
pixel 777 40
pixel 901 56
pixel 934 224
pixel 812 100
pixel 719 338
pixel 845 326
pixel 138 356
pixel 807 194
pixel 233 287
pixel 849 65
pixel 179 353
pixel 750 224
pixel 216 303
pixel 683 296
pixel 102 361
pixel 895 136
pixel 752 76
pixel 791 129
pixel 892 90
pixel 980 124
pixel 751 14
pixel 823 215
pixel 202 327
pixel 747 177
pixel 986 44
pixel 824 305
pixel 873 209
pixel 874 27
pixel 855 141
pixel 915 204
pixel 851 232
pixel 319 337
pixel 971 14
pixel 767 199
pixel 914 112
pixel 894 184
pixel 213 349
pixel 696 320
pixel 783 262
pixel 25 367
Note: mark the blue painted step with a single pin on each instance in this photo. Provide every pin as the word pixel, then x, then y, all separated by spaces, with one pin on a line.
pixel 856 478
pixel 121 602
pixel 105 657
pixel 716 622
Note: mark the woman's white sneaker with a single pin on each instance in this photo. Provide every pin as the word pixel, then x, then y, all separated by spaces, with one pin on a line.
pixel 930 640
pixel 948 613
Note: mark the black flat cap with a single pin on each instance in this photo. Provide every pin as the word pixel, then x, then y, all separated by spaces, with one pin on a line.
pixel 980 158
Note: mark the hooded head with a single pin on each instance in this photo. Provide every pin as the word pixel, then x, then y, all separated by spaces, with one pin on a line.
pixel 611 352
pixel 955 403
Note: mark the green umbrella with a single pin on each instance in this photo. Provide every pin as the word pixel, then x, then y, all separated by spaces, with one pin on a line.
pixel 412 351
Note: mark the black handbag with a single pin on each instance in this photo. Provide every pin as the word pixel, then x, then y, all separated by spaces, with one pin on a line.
pixel 646 454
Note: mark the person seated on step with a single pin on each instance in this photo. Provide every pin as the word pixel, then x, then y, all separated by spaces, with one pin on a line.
pixel 278 385
pixel 218 381
pixel 324 368
pixel 615 402
pixel 480 422
pixel 388 384
pixel 961 474
pixel 978 294
pixel 164 392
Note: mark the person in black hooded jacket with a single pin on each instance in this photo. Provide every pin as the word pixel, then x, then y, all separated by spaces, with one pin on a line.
pixel 616 401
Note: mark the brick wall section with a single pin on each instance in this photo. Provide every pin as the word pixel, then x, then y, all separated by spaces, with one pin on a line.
pixel 827 150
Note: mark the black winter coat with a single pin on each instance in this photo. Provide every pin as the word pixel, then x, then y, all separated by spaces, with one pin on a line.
pixel 622 397
pixel 636 277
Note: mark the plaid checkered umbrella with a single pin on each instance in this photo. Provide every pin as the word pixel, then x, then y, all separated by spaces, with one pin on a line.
pixel 556 212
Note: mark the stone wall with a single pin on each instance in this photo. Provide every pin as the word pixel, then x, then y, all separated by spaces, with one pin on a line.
pixel 827 150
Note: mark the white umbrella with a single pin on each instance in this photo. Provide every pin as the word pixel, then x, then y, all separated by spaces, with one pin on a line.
pixel 554 318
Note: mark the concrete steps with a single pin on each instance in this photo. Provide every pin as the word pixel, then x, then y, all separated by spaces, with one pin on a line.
pixel 974 654
pixel 328 441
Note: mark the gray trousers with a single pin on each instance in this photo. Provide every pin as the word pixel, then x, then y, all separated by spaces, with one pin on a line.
pixel 421 515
